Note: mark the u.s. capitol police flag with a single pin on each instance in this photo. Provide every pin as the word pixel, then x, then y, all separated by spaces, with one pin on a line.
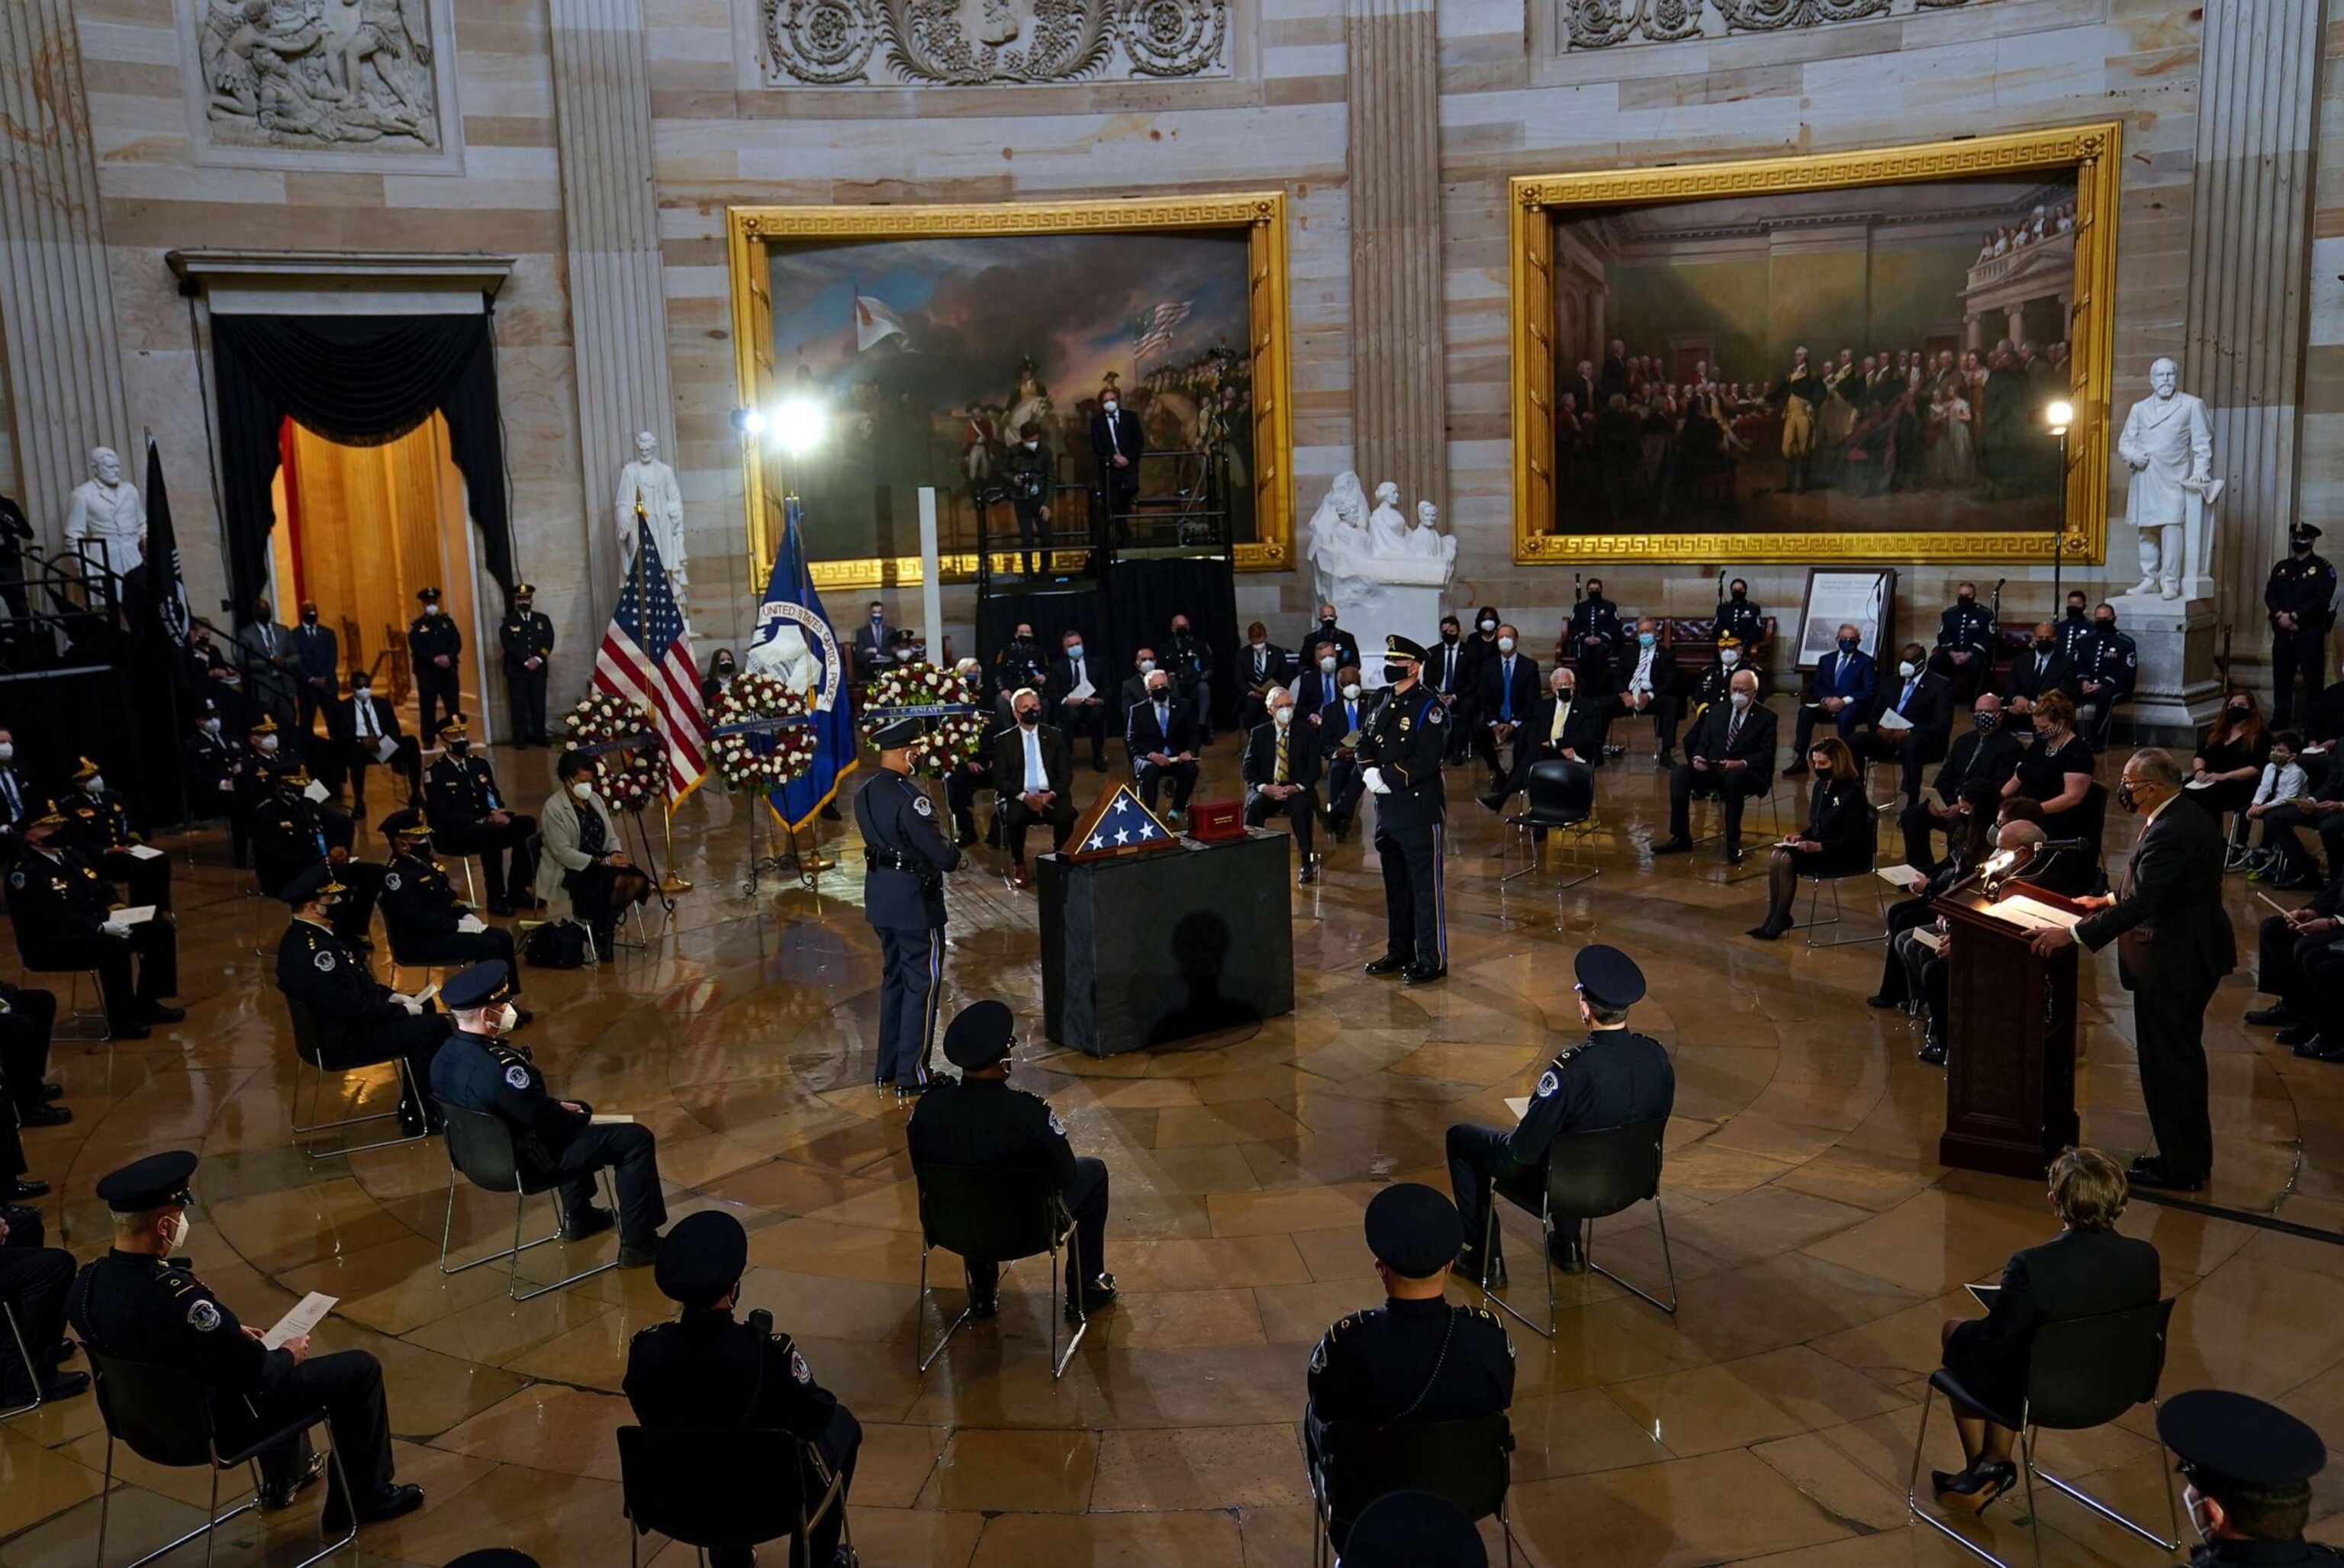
pixel 794 642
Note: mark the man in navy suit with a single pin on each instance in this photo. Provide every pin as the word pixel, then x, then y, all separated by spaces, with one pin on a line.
pixel 1509 686
pixel 1923 701
pixel 1119 444
pixel 316 666
pixel 1343 716
pixel 1161 734
pixel 871 654
pixel 1840 690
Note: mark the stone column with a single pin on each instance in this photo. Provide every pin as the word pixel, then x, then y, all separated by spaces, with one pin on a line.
pixel 57 295
pixel 618 305
pixel 1398 397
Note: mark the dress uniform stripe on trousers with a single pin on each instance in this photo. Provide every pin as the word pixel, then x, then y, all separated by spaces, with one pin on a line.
pixel 935 998
pixel 1439 898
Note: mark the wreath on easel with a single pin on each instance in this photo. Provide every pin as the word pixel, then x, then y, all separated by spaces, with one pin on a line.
pixel 916 688
pixel 628 776
pixel 748 740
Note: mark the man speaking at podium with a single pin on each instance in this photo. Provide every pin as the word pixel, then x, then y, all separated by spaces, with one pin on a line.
pixel 2175 947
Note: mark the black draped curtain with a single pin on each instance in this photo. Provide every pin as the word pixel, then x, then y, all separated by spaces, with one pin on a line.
pixel 362 382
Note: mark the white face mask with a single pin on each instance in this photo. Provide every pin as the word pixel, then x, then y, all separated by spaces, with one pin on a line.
pixel 8 748
pixel 1505 644
pixel 1352 692
pixel 1488 626
pixel 210 727
pixel 268 742
pixel 1906 669
pixel 1281 717
pixel 1326 665
pixel 180 1225
pixel 581 788
pixel 97 784
pixel 1110 405
pixel 1741 698
pixel 1033 445
pixel 505 1019
pixel 1145 665
pixel 1729 657
pixel 431 610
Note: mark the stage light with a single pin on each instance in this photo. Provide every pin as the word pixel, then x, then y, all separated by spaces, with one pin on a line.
pixel 749 421
pixel 799 424
pixel 2058 417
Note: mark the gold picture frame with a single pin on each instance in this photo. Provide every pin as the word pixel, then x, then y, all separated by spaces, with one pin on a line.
pixel 2090 151
pixel 1260 214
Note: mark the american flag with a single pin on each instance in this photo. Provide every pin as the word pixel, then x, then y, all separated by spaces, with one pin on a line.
pixel 1155 327
pixel 1126 821
pixel 646 658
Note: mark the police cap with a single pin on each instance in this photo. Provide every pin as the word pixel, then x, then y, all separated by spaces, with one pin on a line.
pixel 427 595
pixel 2306 531
pixel 1399 647
pixel 2238 1436
pixel 701 1256
pixel 475 985
pixel 1608 978
pixel 453 730
pixel 525 591
pixel 897 734
pixel 314 882
pixel 88 771
pixel 266 725
pixel 154 1182
pixel 1414 1230
pixel 979 1034
pixel 405 823
pixel 1410 1529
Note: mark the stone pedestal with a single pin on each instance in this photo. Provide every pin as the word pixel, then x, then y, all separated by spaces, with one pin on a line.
pixel 1374 611
pixel 2176 691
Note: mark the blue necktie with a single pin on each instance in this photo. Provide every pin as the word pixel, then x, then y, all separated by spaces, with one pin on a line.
pixel 1907 696
pixel 1351 717
pixel 1506 692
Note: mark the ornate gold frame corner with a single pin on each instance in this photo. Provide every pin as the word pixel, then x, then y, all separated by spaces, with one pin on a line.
pixel 1261 214
pixel 2092 151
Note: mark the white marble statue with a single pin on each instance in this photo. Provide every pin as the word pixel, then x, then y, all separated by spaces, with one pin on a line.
pixel 105 519
pixel 1376 571
pixel 1426 541
pixel 1338 532
pixel 323 74
pixel 652 482
pixel 2168 445
pixel 1387 528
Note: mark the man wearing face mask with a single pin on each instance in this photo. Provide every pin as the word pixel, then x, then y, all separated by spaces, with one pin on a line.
pixel 271 675
pixel 1560 726
pixel 360 1021
pixel 138 1303
pixel 906 856
pixel 1965 643
pixel 1262 665
pixel 1592 638
pixel 433 647
pixel 265 758
pixel 98 824
pixel 1135 685
pixel 870 643
pixel 1326 640
pixel 2177 945
pixel 1319 681
pixel 367 725
pixel 1400 755
pixel 2036 672
pixel 2075 629
pixel 1020 663
pixel 526 638
pixel 1034 780
pixel 1078 680
pixel 1280 770
pixel 1161 733
pixel 1839 690
pixel 2301 597
pixel 1117 444
pixel 2106 668
pixel 1190 658
pixel 1509 688
pixel 1339 723
pixel 291 833
pixel 1923 704
pixel 1729 754
pixel 1450 672
pixel 64 916
pixel 317 664
pixel 426 922
pixel 1717 679
pixel 209 766
pixel 2245 1477
pixel 470 815
pixel 1649 683
pixel 1986 753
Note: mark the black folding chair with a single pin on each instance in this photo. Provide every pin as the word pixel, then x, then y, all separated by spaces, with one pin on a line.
pixel 1470 1462
pixel 999 1215
pixel 164 1416
pixel 733 1487
pixel 481 1149
pixel 2081 1372
pixel 24 1360
pixel 1558 796
pixel 309 1051
pixel 1591 1175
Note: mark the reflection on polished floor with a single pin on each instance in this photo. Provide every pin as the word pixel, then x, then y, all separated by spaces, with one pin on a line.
pixel 1817 1243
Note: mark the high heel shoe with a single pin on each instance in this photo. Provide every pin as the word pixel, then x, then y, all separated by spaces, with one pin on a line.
pixel 1770 930
pixel 1974 1490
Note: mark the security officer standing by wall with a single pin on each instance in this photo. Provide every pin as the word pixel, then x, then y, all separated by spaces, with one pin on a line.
pixel 2245 1477
pixel 1614 1077
pixel 1740 617
pixel 433 647
pixel 906 856
pixel 428 924
pixel 1400 757
pixel 2301 597
pixel 527 638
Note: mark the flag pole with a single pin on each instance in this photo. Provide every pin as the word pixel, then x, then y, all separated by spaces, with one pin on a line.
pixel 670 884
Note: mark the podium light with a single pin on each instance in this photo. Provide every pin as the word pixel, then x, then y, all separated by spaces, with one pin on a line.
pixel 2058 417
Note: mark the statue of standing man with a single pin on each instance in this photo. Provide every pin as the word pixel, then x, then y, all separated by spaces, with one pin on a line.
pixel 105 519
pixel 2169 446
pixel 654 483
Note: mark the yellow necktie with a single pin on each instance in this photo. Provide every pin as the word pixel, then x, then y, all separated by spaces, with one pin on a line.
pixel 1561 715
pixel 1279 776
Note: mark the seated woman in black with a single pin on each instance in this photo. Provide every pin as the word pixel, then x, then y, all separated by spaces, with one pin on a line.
pixel 2055 772
pixel 2088 1269
pixel 2223 774
pixel 1971 841
pixel 1836 841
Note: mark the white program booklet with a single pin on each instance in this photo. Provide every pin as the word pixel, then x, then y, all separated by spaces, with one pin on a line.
pixel 307 1314
pixel 1892 721
pixel 2035 915
pixel 1083 689
pixel 138 914
pixel 609 1118
pixel 385 749
pixel 1902 875
pixel 471 926
pixel 1520 1104
pixel 143 852
pixel 317 794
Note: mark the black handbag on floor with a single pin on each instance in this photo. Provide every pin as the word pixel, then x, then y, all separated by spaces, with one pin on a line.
pixel 557 945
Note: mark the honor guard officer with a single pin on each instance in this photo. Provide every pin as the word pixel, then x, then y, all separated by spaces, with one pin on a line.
pixel 208 765
pixel 2301 597
pixel 135 1302
pixel 1614 1077
pixel 527 638
pixel 1416 1358
pixel 64 916
pixel 291 833
pixel 906 856
pixel 2105 670
pixel 360 1021
pixel 2246 1475
pixel 1740 617
pixel 981 1121
pixel 98 824
pixel 426 922
pixel 433 646
pixel 1966 644
pixel 1400 757
pixel 708 1371
pixel 470 814
pixel 264 757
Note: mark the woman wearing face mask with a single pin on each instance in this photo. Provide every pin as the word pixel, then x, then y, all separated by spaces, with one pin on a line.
pixel 2222 775
pixel 581 838
pixel 719 674
pixel 1836 841
pixel 2055 772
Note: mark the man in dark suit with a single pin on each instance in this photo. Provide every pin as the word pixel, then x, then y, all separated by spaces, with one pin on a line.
pixel 1162 735
pixel 317 664
pixel 871 641
pixel 526 639
pixel 1988 754
pixel 1261 665
pixel 1118 443
pixel 1509 690
pixel 1647 683
pixel 1280 770
pixel 2178 946
pixel 1729 754
pixel 1345 714
pixel 1033 779
pixel 1839 690
pixel 359 724
pixel 2035 675
pixel 1923 701
pixel 1081 715
pixel 1560 726
pixel 1134 689
pixel 1346 647
pixel 1449 674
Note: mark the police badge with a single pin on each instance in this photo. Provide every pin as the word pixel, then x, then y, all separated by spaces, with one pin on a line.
pixel 391 882
pixel 1548 1083
pixel 203 1317
pixel 517 1075
pixel 324 960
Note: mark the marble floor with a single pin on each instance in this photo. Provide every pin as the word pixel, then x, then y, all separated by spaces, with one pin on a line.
pixel 1817 1243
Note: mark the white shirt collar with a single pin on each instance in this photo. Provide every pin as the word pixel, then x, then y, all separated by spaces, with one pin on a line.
pixel 2159 809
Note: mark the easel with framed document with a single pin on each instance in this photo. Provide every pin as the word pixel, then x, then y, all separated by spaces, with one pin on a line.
pixel 2010 1034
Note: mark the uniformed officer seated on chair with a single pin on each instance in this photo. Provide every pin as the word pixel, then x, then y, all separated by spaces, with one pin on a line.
pixel 1417 1357
pixel 470 815
pixel 1614 1077
pixel 360 1020
pixel 2245 1477
pixel 709 1371
pixel 64 916
pixel 98 824
pixel 1400 756
pixel 476 1070
pixel 137 1303
pixel 428 924
pixel 291 833
pixel 981 1121
pixel 904 855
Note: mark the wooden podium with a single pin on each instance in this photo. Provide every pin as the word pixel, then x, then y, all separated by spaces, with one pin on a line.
pixel 2010 1037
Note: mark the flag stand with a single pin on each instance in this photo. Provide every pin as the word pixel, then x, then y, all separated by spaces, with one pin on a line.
pixel 674 882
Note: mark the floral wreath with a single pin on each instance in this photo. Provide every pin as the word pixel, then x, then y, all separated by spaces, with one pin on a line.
pixel 951 737
pixel 628 778
pixel 768 756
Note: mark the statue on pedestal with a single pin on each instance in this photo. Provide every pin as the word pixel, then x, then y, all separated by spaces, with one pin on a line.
pixel 105 519
pixel 2168 445
pixel 1381 574
pixel 1387 528
pixel 652 483
pixel 1426 541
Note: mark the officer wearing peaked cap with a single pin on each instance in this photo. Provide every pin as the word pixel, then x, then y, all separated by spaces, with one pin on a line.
pixel 434 644
pixel 1614 1077
pixel 2246 1469
pixel 360 1020
pixel 905 854
pixel 98 824
pixel 526 636
pixel 66 919
pixel 1411 1530
pixel 1400 764
pixel 421 912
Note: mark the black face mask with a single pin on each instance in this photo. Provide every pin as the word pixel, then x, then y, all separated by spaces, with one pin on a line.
pixel 1325 620
pixel 457 748
pixel 1966 600
pixel 2125 795
pixel 2302 545
pixel 1594 592
pixel 1986 723
pixel 1848 644
pixel 2074 613
pixel 309 618
pixel 1740 594
pixel 1029 717
pixel 1395 673
pixel 2106 624
pixel 725 669
pixel 1180 630
pixel 1448 635
pixel 2045 644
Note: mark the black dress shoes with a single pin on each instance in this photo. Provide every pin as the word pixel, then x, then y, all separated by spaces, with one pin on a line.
pixel 1673 846
pixel 2269 1017
pixel 1390 964
pixel 277 1495
pixel 43 1116
pixel 591 1221
pixel 2150 1171
pixel 1418 974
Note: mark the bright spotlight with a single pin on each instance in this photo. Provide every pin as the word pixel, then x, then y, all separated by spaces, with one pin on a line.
pixel 2059 416
pixel 799 424
pixel 749 421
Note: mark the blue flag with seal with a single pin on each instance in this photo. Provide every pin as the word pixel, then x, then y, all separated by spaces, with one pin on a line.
pixel 793 641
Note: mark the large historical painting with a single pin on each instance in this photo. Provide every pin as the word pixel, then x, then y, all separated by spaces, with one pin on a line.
pixel 1862 366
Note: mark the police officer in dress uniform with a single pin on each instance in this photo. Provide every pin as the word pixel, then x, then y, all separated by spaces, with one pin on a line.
pixel 1417 1357
pixel 260 761
pixel 2246 1473
pixel 1740 617
pixel 905 854
pixel 1966 644
pixel 527 639
pixel 2301 597
pixel 98 824
pixel 421 911
pixel 138 1303
pixel 1592 638
pixel 207 769
pixel 476 1070
pixel 470 815
pixel 709 1371
pixel 360 1020
pixel 1614 1077
pixel 1400 757
pixel 64 912
pixel 981 1121
pixel 2106 669
pixel 433 647
pixel 291 833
